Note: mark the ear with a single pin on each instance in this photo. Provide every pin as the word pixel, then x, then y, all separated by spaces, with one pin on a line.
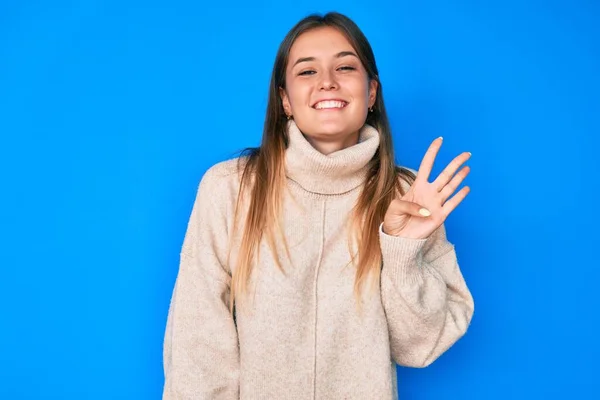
pixel 285 101
pixel 373 85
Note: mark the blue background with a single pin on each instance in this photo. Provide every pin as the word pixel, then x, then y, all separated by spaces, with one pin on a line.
pixel 110 112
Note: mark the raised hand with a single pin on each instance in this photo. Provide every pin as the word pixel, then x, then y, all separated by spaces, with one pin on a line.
pixel 425 206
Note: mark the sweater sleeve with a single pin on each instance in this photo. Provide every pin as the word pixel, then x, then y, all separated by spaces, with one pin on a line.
pixel 200 351
pixel 426 300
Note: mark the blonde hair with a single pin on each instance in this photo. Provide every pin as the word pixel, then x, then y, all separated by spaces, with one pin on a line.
pixel 263 178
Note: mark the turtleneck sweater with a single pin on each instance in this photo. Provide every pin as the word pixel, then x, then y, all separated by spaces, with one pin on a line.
pixel 298 334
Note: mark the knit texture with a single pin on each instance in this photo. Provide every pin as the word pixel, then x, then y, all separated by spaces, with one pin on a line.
pixel 299 335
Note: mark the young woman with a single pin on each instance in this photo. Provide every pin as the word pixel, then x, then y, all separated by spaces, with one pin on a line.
pixel 313 264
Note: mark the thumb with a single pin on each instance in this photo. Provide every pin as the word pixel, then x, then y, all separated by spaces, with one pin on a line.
pixel 408 207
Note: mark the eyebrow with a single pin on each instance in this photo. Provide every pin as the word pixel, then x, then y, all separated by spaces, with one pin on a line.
pixel 338 55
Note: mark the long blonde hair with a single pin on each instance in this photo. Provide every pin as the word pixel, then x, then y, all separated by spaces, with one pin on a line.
pixel 263 178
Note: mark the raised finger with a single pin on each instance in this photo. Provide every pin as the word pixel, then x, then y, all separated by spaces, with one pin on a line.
pixel 446 175
pixel 451 204
pixel 428 160
pixel 454 183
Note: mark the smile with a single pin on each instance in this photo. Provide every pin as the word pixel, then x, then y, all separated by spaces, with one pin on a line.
pixel 330 104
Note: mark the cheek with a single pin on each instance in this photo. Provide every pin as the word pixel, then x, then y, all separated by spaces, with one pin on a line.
pixel 299 94
pixel 357 86
pixel 360 91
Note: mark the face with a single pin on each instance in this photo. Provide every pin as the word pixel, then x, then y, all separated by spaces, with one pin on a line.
pixel 328 91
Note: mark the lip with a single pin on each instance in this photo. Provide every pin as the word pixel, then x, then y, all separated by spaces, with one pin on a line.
pixel 318 101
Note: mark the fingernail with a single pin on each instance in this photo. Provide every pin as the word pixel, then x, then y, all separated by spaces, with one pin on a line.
pixel 424 212
pixel 441 138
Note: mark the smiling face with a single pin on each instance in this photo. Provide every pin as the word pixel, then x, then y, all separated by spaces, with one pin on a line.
pixel 328 91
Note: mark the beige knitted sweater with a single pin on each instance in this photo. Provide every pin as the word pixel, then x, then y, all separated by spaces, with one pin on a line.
pixel 299 336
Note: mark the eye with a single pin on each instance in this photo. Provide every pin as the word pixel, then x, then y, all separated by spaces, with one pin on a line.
pixel 307 72
pixel 347 68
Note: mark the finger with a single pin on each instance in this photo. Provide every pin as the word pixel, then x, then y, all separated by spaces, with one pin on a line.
pixel 408 207
pixel 454 183
pixel 428 160
pixel 446 175
pixel 451 204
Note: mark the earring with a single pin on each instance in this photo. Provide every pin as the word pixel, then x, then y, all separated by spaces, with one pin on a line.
pixel 289 117
pixel 371 109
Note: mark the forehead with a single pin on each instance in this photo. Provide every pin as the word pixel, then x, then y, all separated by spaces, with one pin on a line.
pixel 319 43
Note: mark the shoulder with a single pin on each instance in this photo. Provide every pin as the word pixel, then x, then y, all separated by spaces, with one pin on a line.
pixel 404 168
pixel 221 181
pixel 224 171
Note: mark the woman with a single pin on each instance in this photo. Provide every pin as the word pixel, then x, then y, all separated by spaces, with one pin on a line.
pixel 312 265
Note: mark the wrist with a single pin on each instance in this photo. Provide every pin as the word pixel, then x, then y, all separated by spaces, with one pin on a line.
pixel 390 232
pixel 400 233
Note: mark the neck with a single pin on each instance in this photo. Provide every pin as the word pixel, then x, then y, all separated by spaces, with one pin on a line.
pixel 329 146
pixel 335 172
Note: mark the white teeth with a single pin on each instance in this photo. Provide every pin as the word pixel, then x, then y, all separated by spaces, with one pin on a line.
pixel 330 104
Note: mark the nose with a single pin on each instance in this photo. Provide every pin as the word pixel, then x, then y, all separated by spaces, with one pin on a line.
pixel 327 81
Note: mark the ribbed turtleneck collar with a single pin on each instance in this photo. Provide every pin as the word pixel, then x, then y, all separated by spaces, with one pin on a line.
pixel 335 173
